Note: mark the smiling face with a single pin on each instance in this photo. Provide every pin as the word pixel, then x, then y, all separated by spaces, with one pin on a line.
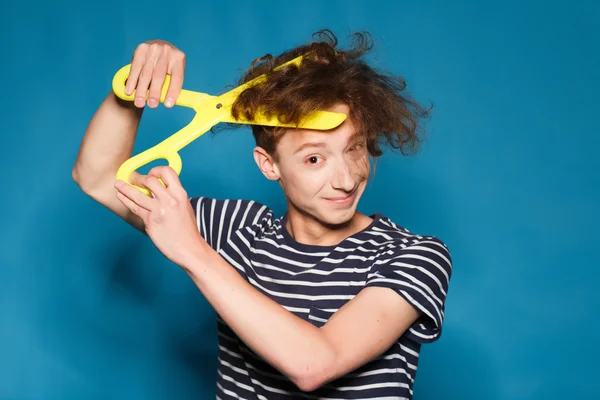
pixel 323 173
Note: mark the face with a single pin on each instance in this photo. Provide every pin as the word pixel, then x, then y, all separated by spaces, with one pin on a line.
pixel 323 173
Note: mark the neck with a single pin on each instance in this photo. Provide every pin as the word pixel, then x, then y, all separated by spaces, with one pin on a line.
pixel 309 230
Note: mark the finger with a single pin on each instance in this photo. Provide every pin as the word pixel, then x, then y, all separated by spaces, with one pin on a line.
pixel 144 80
pixel 131 205
pixel 169 177
pixel 134 194
pixel 177 72
pixel 158 79
pixel 139 56
pixel 157 188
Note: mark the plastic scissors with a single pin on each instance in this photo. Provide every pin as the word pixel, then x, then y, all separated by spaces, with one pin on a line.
pixel 210 110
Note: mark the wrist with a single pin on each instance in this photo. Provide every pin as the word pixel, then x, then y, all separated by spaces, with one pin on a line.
pixel 197 258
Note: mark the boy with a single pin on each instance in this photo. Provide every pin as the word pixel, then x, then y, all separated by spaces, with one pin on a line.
pixel 324 301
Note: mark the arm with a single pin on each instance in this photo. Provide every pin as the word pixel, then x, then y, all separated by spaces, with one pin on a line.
pixel 109 138
pixel 107 143
pixel 361 330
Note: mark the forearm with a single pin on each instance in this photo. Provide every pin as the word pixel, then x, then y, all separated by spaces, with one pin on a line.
pixel 107 143
pixel 295 347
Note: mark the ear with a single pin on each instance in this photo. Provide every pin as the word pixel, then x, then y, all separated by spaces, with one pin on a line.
pixel 266 164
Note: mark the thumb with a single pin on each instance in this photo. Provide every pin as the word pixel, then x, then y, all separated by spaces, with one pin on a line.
pixel 167 175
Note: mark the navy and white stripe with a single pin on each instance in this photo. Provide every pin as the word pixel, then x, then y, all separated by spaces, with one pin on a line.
pixel 313 282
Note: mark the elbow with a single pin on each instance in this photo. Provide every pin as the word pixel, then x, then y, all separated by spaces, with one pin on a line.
pixel 77 178
pixel 88 185
pixel 75 175
pixel 319 372
pixel 309 384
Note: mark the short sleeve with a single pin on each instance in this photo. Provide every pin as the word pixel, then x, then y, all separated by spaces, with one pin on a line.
pixel 419 272
pixel 217 219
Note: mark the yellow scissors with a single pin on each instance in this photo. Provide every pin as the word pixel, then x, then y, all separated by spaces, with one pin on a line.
pixel 210 110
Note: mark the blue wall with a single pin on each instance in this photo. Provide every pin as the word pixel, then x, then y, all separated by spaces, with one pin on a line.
pixel 508 178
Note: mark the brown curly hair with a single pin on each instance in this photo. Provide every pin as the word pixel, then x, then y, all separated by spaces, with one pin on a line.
pixel 325 77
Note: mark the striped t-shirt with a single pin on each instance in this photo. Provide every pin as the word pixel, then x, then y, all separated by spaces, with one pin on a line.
pixel 313 282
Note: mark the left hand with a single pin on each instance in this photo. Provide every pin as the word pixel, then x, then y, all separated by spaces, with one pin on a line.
pixel 168 215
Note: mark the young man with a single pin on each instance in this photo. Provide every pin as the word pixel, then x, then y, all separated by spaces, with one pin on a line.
pixel 323 301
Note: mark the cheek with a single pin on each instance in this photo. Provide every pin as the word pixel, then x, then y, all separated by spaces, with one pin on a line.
pixel 361 168
pixel 309 186
pixel 305 186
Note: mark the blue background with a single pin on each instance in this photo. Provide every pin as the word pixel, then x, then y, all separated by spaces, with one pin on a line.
pixel 508 179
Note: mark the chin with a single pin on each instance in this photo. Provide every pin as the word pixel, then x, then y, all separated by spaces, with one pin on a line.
pixel 337 217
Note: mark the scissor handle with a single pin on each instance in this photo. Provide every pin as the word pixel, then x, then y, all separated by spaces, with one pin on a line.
pixel 154 153
pixel 186 98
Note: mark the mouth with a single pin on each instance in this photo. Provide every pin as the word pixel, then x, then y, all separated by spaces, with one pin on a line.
pixel 342 200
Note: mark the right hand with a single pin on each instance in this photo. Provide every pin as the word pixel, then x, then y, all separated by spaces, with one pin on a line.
pixel 152 60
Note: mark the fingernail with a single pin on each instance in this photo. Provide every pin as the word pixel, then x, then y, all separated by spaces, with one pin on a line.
pixel 152 103
pixel 127 90
pixel 169 102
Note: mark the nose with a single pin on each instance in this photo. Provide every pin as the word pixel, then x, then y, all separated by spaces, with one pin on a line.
pixel 342 178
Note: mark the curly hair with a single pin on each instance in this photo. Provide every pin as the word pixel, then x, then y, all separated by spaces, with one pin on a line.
pixel 328 76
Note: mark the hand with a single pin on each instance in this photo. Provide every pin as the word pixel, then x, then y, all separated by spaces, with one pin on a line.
pixel 168 216
pixel 152 61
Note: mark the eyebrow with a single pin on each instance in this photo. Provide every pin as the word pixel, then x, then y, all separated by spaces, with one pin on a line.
pixel 311 144
pixel 354 139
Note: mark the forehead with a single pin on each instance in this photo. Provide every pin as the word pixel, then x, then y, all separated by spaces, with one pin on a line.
pixel 340 135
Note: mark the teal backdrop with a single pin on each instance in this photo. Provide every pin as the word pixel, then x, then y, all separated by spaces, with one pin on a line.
pixel 508 178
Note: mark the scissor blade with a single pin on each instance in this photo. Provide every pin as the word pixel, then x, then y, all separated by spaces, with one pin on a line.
pixel 319 120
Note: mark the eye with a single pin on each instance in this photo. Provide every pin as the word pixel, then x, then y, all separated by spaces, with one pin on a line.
pixel 313 159
pixel 356 146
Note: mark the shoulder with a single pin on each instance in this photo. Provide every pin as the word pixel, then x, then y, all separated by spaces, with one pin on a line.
pixel 219 219
pixel 402 244
pixel 250 212
pixel 418 267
